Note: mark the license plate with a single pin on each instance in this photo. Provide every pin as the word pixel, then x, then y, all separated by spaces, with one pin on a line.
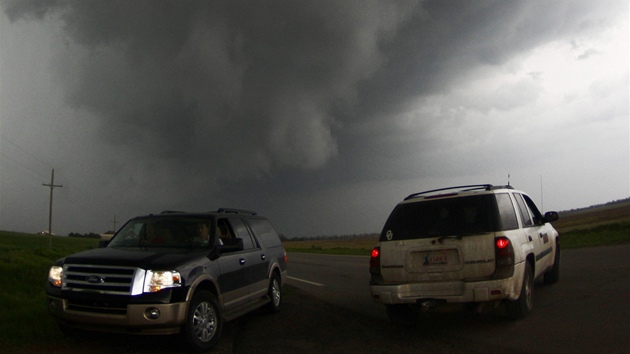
pixel 434 258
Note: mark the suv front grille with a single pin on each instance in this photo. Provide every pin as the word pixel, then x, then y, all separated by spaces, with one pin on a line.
pixel 101 279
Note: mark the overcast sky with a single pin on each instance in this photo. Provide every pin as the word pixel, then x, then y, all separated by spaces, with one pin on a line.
pixel 320 115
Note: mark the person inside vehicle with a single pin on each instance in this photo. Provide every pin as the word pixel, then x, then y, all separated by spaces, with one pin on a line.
pixel 203 232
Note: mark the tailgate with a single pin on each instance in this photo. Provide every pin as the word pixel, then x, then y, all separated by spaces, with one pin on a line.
pixel 453 259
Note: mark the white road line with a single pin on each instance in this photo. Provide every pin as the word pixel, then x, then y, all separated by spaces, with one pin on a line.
pixel 306 281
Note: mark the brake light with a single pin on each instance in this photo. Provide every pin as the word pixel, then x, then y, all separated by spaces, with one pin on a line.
pixel 504 258
pixel 285 258
pixel 375 261
pixel 502 242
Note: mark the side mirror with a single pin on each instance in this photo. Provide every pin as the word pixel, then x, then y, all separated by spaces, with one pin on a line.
pixel 551 216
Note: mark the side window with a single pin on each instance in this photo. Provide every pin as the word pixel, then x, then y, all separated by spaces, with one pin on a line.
pixel 538 218
pixel 241 231
pixel 527 220
pixel 507 215
pixel 265 232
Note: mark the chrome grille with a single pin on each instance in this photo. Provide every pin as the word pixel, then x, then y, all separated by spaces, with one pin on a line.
pixel 102 279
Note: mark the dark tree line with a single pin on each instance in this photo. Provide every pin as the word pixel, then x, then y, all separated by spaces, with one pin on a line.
pixel 88 235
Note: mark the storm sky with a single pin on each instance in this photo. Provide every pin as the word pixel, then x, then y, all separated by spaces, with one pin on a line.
pixel 320 115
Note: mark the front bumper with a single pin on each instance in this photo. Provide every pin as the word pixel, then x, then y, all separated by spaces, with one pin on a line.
pixel 451 292
pixel 136 319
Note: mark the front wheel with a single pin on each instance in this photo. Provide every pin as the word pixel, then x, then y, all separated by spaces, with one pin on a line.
pixel 523 306
pixel 203 323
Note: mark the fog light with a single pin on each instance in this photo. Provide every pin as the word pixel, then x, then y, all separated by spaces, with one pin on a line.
pixel 152 313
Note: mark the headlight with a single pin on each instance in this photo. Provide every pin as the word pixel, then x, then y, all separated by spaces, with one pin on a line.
pixel 54 275
pixel 157 280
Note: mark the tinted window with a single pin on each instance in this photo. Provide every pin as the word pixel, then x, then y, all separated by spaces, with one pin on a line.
pixel 506 212
pixel 163 232
pixel 265 232
pixel 538 218
pixel 443 217
pixel 242 232
pixel 527 220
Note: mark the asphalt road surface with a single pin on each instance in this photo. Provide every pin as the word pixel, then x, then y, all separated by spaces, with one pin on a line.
pixel 327 309
pixel 587 311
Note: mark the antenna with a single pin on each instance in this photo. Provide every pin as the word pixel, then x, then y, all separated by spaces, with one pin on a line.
pixel 508 179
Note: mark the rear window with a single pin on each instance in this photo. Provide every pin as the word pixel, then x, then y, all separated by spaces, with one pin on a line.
pixel 442 217
pixel 265 232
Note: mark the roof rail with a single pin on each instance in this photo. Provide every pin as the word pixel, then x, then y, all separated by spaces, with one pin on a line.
pixel 172 212
pixel 466 188
pixel 236 211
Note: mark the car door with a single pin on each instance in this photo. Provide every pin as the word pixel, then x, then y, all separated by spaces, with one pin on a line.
pixel 254 260
pixel 441 240
pixel 533 227
pixel 233 279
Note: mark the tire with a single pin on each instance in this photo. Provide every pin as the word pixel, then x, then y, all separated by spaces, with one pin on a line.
pixel 275 294
pixel 402 315
pixel 524 305
pixel 553 275
pixel 203 322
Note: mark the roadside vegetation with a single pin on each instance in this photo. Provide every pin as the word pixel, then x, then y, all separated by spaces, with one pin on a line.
pixel 600 225
pixel 26 258
pixel 24 263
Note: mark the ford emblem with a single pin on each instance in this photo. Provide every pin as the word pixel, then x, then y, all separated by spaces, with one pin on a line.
pixel 94 279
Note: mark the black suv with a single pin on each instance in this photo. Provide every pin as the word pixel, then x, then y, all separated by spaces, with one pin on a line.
pixel 170 273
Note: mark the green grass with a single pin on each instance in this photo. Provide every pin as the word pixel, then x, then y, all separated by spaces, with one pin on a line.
pixel 24 263
pixel 603 235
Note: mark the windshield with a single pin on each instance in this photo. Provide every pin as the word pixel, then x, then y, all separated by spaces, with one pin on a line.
pixel 441 218
pixel 179 232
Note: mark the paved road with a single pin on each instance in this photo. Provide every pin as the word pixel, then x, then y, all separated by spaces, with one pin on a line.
pixel 327 309
pixel 588 311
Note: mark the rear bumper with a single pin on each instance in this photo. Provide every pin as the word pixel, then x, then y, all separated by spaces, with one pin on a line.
pixel 451 292
pixel 135 320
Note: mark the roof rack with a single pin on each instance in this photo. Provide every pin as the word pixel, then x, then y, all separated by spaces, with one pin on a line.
pixel 172 212
pixel 236 211
pixel 466 188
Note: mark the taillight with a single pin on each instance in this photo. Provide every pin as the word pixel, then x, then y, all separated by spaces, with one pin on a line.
pixel 502 242
pixel 285 258
pixel 504 258
pixel 375 261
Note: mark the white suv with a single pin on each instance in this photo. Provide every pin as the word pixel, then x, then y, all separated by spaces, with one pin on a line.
pixel 478 244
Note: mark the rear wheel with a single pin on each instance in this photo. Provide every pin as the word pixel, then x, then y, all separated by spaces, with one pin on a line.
pixel 203 323
pixel 523 306
pixel 275 294
pixel 402 314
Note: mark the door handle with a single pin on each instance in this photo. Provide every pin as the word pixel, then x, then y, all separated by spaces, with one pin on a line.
pixel 263 257
pixel 241 261
pixel 530 238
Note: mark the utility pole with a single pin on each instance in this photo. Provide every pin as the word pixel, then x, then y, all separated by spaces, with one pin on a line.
pixel 52 186
pixel 114 223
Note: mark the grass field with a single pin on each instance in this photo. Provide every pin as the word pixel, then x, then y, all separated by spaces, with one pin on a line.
pixel 604 225
pixel 25 260
pixel 24 263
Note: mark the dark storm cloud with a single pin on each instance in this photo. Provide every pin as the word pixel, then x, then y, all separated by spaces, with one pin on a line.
pixel 296 96
pixel 273 83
